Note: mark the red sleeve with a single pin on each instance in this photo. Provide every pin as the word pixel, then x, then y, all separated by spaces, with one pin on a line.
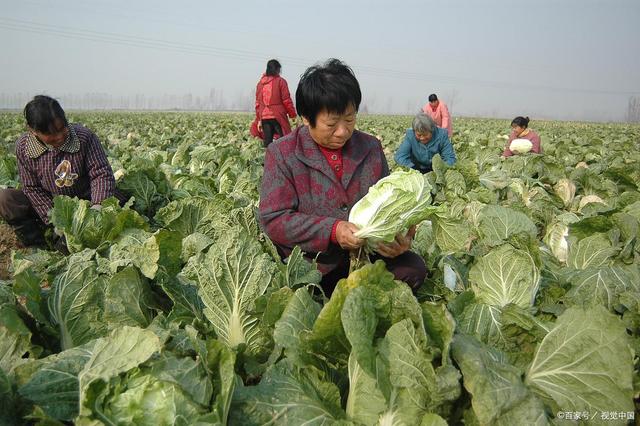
pixel 333 232
pixel 536 146
pixel 286 99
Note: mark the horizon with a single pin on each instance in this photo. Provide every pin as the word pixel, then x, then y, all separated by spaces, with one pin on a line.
pixel 566 60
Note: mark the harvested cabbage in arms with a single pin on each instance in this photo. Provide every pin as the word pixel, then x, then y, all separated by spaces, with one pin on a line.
pixel 393 205
pixel 520 146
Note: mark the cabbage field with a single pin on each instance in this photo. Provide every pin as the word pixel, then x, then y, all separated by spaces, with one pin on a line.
pixel 176 309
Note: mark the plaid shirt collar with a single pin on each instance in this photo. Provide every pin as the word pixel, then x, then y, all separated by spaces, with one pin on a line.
pixel 36 148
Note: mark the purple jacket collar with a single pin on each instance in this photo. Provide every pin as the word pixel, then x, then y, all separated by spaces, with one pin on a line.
pixel 353 153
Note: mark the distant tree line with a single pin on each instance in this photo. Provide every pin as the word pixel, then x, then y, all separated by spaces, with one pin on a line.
pixel 633 110
pixel 214 101
pixel 218 100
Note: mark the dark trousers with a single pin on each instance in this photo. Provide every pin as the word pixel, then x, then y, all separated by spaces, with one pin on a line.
pixel 270 127
pixel 408 267
pixel 16 210
pixel 422 169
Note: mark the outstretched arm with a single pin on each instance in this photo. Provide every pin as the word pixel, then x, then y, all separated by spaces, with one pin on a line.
pixel 447 153
pixel 446 118
pixel 102 182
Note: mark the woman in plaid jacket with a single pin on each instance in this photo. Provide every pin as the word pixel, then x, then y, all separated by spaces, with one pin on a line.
pixel 54 158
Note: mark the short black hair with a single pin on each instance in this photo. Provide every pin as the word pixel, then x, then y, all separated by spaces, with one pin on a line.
pixel 273 67
pixel 331 86
pixel 521 122
pixel 42 112
pixel 433 97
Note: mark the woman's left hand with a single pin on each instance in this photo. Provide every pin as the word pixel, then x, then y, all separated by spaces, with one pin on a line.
pixel 401 244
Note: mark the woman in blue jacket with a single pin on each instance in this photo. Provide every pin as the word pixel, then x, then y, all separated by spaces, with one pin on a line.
pixel 422 142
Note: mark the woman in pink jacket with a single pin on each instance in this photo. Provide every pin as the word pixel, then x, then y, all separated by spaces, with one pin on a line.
pixel 520 130
pixel 439 112
pixel 273 104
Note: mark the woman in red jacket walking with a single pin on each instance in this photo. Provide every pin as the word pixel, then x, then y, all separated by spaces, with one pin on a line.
pixel 273 104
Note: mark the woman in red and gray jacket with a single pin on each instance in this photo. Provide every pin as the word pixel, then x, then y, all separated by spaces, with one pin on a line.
pixel 273 104
pixel 314 176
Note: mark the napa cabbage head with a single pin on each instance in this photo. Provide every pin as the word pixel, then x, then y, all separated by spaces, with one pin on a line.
pixel 392 206
pixel 143 400
pixel 566 190
pixel 521 146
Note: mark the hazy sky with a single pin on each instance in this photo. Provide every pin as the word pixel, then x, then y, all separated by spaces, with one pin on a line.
pixel 568 59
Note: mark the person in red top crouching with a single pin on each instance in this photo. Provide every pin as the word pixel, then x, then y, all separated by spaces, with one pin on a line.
pixel 520 130
pixel 314 176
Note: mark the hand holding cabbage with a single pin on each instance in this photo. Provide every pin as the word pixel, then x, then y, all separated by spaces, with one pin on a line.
pixel 387 215
pixel 345 235
pixel 398 246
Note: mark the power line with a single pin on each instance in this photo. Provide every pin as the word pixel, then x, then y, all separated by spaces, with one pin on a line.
pixel 127 40
pixel 212 51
